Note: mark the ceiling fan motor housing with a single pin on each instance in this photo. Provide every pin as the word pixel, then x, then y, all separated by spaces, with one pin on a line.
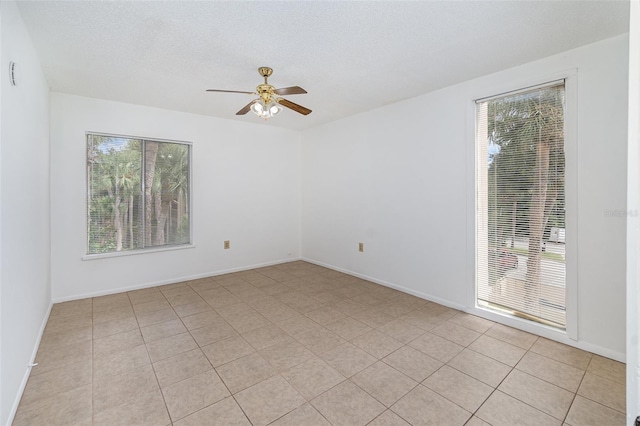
pixel 265 71
pixel 265 91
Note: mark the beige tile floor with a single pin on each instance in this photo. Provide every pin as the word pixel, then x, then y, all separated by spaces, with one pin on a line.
pixel 297 344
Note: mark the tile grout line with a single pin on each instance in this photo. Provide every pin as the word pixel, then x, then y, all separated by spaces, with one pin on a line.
pixel 166 407
pixel 208 360
pixel 494 389
pixel 575 395
pixel 512 368
pixel 352 290
pixel 231 394
pixel 212 367
pixel 535 408
pixel 585 397
pixel 277 373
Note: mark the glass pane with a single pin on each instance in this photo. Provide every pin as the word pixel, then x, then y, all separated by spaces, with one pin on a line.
pixel 521 209
pixel 113 174
pixel 166 193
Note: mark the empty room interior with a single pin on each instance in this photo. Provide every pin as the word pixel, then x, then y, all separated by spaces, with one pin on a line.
pixel 319 213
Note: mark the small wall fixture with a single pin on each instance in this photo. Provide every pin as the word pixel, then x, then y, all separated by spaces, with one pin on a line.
pixel 12 73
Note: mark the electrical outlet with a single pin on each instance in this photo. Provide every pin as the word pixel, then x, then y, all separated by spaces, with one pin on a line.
pixel 227 245
pixel 361 247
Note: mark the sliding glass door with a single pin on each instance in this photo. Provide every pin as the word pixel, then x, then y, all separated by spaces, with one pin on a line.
pixel 520 198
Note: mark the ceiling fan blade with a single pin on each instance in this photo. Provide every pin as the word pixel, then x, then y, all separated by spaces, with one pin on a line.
pixel 293 90
pixel 229 91
pixel 246 108
pixel 297 108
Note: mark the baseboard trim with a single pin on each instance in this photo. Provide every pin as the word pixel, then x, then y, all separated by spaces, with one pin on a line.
pixel 16 402
pixel 518 323
pixel 403 289
pixel 546 332
pixel 172 280
pixel 511 322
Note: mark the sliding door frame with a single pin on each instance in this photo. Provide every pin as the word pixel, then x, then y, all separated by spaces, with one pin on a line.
pixel 571 333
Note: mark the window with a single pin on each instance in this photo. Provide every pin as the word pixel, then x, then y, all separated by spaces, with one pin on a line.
pixel 138 193
pixel 520 198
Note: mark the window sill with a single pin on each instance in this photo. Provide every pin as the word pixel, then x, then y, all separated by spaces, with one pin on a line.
pixel 136 252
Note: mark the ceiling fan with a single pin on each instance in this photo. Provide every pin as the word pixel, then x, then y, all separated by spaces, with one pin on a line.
pixel 268 103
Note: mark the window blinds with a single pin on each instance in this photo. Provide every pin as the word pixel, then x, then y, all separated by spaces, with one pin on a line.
pixel 138 193
pixel 520 196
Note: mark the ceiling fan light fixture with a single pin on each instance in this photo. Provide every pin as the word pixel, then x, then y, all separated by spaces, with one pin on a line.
pixel 265 110
pixel 258 108
pixel 274 108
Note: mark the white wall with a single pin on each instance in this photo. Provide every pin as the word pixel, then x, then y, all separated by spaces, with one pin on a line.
pixel 633 220
pixel 385 178
pixel 24 207
pixel 246 189
pixel 400 179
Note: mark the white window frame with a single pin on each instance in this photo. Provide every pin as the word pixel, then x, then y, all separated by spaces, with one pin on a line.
pixel 144 250
pixel 571 333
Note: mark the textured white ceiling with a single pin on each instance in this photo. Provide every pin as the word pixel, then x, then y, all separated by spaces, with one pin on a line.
pixel 350 56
